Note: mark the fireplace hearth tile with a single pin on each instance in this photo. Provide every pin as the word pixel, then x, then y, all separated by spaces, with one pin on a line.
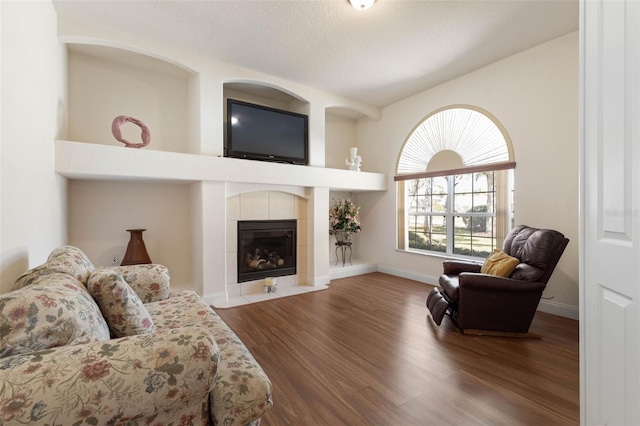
pixel 262 297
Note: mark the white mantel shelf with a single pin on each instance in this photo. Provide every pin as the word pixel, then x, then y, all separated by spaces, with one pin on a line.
pixel 79 160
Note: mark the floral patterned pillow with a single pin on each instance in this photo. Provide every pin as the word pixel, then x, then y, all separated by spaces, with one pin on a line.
pixel 150 282
pixel 120 305
pixel 64 260
pixel 56 310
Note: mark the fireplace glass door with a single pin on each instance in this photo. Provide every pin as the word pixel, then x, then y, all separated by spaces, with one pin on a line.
pixel 266 248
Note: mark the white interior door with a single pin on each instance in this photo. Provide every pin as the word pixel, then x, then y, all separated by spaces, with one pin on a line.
pixel 610 212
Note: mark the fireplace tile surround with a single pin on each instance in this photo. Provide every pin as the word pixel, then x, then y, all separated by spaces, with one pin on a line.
pixel 265 205
pixel 276 205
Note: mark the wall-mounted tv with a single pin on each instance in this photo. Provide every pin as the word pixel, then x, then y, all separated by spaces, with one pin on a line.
pixel 261 133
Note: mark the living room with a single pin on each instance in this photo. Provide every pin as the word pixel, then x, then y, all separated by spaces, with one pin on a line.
pixel 99 87
pixel 58 192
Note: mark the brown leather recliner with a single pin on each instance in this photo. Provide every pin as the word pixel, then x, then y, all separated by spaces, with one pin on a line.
pixel 478 301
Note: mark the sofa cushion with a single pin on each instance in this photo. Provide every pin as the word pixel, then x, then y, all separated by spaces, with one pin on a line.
pixel 63 260
pixel 55 310
pixel 243 390
pixel 150 282
pixel 120 305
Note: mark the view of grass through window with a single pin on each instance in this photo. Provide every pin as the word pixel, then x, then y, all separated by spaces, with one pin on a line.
pixel 452 214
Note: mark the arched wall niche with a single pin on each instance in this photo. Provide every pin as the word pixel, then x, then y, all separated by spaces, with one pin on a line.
pixel 108 80
pixel 234 189
pixel 122 53
pixel 264 93
pixel 353 112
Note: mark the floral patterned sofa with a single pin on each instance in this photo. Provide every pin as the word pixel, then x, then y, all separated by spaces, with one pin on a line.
pixel 86 345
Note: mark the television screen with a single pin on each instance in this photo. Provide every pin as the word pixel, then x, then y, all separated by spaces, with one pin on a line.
pixel 262 133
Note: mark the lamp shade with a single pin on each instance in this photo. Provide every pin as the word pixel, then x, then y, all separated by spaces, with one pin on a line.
pixel 362 4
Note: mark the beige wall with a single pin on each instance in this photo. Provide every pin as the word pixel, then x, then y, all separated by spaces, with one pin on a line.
pixel 534 94
pixel 100 212
pixel 33 115
pixel 340 135
pixel 153 92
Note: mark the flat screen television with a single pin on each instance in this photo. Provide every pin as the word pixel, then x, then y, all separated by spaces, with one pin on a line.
pixel 261 133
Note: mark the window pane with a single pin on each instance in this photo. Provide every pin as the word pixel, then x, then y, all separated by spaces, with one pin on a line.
pixel 438 190
pixel 439 185
pixel 462 235
pixel 415 226
pixel 417 204
pixel 474 235
pixel 428 233
pixel 482 247
pixel 438 235
pixel 463 189
pixel 473 220
pixel 482 203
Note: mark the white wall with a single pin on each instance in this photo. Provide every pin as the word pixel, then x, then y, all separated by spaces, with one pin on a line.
pixel 534 94
pixel 33 115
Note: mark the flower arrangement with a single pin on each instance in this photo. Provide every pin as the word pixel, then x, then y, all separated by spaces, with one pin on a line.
pixel 344 216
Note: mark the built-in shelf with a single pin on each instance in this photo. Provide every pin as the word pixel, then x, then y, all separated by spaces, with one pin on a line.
pixel 79 160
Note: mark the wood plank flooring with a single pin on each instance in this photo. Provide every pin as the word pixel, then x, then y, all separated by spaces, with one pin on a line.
pixel 366 352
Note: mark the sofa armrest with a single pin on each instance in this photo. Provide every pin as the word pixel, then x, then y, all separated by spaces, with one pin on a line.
pixel 130 379
pixel 150 282
pixel 455 267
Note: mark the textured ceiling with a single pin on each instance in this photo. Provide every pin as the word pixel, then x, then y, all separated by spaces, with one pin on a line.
pixel 379 56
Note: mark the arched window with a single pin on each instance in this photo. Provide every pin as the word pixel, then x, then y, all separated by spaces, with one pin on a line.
pixel 455 184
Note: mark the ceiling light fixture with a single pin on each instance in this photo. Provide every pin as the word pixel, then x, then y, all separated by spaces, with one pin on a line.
pixel 362 4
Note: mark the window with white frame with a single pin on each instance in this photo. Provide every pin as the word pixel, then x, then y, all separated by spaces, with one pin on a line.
pixel 455 184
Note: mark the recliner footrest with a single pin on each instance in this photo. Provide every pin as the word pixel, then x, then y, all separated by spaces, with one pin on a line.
pixel 437 305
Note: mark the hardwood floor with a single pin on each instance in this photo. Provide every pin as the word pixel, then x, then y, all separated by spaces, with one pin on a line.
pixel 366 352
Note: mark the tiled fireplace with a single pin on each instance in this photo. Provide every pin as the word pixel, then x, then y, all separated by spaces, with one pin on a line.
pixel 264 208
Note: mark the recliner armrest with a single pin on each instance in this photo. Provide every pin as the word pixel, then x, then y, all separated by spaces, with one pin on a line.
pixel 455 267
pixel 494 283
pixel 489 302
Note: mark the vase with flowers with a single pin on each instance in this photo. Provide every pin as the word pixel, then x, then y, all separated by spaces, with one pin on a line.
pixel 344 220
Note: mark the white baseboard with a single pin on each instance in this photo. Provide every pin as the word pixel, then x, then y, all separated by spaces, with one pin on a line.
pixel 559 309
pixel 548 306
pixel 319 281
pixel 215 298
pixel 427 279
pixel 336 272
